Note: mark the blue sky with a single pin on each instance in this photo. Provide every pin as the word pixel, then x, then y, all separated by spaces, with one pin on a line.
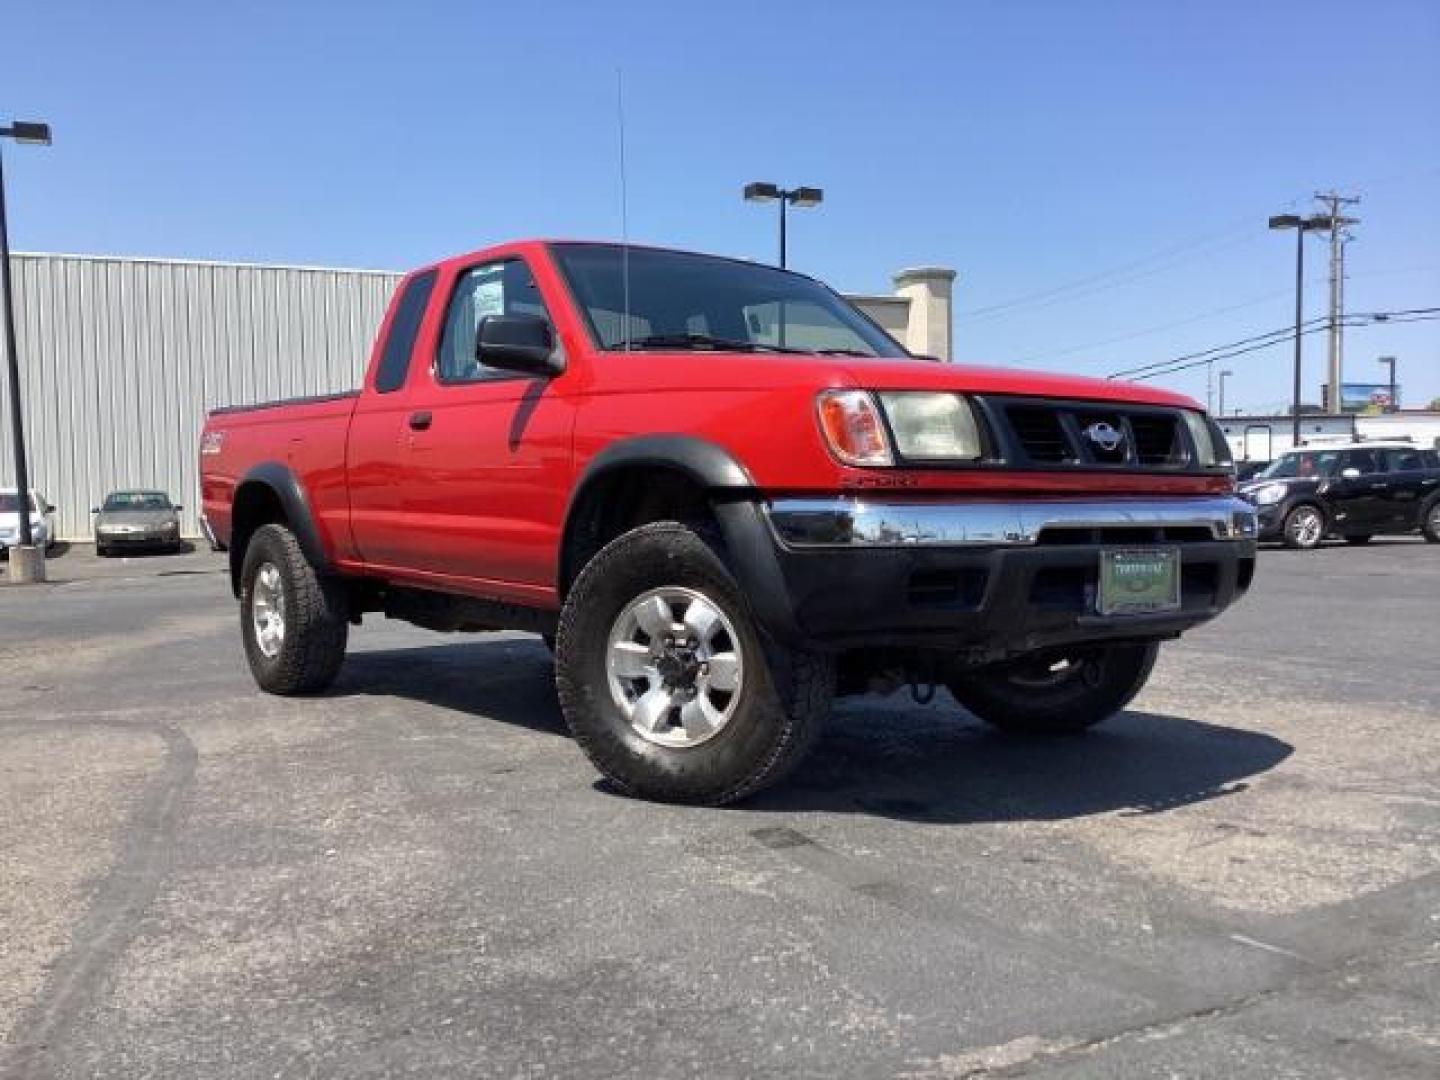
pixel 1136 147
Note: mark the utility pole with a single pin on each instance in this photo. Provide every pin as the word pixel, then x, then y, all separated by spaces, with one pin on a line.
pixel 1210 387
pixel 1339 237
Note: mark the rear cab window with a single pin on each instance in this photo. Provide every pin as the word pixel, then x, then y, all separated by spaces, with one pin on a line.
pixel 404 326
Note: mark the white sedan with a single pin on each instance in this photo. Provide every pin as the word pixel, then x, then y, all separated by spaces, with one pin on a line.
pixel 42 519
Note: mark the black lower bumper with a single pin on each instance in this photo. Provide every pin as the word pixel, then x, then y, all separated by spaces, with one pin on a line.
pixel 981 602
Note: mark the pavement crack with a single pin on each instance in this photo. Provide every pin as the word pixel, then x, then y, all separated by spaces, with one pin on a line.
pixel 82 974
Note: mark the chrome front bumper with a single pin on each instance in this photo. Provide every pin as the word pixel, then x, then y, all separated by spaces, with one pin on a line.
pixel 852 523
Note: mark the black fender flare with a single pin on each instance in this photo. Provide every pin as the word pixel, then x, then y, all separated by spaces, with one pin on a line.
pixel 737 505
pixel 712 467
pixel 707 463
pixel 285 486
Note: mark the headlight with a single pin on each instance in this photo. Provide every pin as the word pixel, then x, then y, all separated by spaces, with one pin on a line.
pixel 932 426
pixel 851 424
pixel 1268 495
pixel 1210 444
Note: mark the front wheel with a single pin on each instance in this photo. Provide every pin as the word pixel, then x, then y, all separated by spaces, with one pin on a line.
pixel 1304 528
pixel 665 680
pixel 1056 693
pixel 1430 522
pixel 293 621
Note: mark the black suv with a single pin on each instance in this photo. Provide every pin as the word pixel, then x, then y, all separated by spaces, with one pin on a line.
pixel 1352 492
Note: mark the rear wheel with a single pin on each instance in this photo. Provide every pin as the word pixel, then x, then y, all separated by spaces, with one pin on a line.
pixel 665 680
pixel 1057 693
pixel 1358 538
pixel 293 620
pixel 1304 527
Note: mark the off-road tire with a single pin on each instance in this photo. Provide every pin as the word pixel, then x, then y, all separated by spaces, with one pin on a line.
pixel 1288 531
pixel 316 622
pixel 784 697
pixel 101 551
pixel 1106 680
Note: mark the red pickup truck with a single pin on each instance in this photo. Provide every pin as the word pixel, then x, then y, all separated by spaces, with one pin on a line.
pixel 724 496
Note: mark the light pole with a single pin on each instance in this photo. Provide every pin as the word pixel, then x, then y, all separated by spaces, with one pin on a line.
pixel 25 563
pixel 1223 376
pixel 1301 227
pixel 1389 362
pixel 801 197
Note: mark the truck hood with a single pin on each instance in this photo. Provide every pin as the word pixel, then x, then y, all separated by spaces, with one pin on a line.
pixel 661 371
pixel 928 375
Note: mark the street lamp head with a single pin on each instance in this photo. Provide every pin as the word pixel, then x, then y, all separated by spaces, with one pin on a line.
pixel 761 192
pixel 1226 372
pixel 1285 221
pixel 28 131
pixel 805 196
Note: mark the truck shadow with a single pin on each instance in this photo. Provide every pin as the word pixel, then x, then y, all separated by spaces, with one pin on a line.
pixel 885 757
pixel 937 764
pixel 509 679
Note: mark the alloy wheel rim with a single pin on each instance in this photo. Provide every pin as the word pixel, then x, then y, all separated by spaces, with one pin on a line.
pixel 267 610
pixel 1306 527
pixel 675 667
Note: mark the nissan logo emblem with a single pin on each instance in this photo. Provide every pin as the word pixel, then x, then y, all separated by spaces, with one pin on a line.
pixel 1104 436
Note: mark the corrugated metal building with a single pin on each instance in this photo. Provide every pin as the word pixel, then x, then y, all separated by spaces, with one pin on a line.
pixel 122 357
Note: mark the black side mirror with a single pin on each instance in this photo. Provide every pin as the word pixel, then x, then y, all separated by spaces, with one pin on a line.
pixel 517 343
pixel 177 508
pixel 94 509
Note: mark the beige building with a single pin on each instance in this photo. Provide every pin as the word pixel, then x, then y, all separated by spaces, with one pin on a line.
pixel 121 358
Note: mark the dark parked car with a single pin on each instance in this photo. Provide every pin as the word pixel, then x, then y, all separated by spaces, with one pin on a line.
pixel 1353 492
pixel 136 519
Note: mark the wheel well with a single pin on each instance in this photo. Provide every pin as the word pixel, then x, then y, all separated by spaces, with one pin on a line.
pixel 256 504
pixel 624 498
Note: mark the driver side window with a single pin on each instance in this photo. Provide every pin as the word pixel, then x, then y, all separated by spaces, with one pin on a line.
pixel 505 287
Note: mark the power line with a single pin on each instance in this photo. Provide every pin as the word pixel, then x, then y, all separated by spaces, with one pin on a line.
pixel 1102 282
pixel 1241 227
pixel 1281 333
pixel 1047 354
pixel 1271 338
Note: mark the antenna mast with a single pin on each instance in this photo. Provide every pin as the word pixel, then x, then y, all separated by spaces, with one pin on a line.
pixel 624 203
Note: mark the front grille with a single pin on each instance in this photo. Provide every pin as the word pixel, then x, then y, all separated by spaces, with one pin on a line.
pixel 1041 434
pixel 1090 435
pixel 1157 439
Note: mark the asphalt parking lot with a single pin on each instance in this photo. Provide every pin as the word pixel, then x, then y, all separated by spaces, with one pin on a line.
pixel 418 875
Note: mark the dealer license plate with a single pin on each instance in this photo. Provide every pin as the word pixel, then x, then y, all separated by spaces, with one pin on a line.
pixel 1137 581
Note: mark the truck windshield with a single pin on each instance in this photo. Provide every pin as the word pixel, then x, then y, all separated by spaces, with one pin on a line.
pixel 682 301
pixel 10 502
